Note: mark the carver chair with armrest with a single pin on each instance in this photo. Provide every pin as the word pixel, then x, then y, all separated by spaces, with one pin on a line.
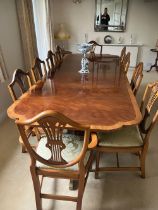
pixel 38 70
pixel 59 155
pixel 20 83
pixel 131 139
pixel 95 45
pixel 137 78
pixel 100 59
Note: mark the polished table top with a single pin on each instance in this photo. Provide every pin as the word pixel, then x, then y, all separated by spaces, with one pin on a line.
pixel 102 100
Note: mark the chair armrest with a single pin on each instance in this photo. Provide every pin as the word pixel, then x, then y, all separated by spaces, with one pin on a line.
pixel 94 141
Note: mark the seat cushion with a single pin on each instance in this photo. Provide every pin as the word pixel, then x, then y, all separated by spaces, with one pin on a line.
pixel 73 148
pixel 124 137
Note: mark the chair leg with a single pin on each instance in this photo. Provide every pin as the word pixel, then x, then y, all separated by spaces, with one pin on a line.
pixel 37 188
pixel 80 191
pixel 97 165
pixel 142 164
pixel 117 159
pixel 24 150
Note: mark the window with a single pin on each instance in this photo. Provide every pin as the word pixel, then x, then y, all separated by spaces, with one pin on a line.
pixel 40 20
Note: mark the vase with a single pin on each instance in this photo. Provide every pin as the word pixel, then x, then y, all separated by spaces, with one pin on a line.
pixel 84 48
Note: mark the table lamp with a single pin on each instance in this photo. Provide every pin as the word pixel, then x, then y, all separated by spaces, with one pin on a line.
pixel 62 35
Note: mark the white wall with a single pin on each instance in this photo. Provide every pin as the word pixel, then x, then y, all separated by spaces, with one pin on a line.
pixel 11 47
pixel 142 23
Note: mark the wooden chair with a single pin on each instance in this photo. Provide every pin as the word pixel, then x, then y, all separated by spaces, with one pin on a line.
pixel 137 78
pixel 123 54
pixel 131 139
pixel 125 63
pixel 51 63
pixel 63 51
pixel 38 71
pixel 59 155
pixel 22 80
pixel 20 83
pixel 59 56
pixel 100 59
pixel 94 46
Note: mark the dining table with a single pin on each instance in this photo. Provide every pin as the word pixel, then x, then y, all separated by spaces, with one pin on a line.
pixel 102 99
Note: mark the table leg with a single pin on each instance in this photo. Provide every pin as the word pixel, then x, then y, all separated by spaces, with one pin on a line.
pixel 151 68
pixel 155 65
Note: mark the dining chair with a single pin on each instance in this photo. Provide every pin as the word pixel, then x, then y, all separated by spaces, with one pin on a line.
pixel 96 56
pixel 38 70
pixel 20 83
pixel 95 46
pixel 51 63
pixel 59 56
pixel 130 139
pixel 63 51
pixel 58 154
pixel 125 63
pixel 137 78
pixel 123 54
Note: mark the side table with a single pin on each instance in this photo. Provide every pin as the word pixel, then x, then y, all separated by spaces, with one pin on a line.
pixel 156 60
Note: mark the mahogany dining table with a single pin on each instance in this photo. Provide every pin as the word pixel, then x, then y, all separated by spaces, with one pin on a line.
pixel 102 99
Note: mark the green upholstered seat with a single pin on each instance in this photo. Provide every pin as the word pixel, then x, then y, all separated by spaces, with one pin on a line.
pixel 124 137
pixel 73 148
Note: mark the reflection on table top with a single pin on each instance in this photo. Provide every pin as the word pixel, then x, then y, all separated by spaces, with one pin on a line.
pixel 102 99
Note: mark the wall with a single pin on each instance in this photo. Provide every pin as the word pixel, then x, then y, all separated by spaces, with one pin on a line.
pixel 11 47
pixel 141 23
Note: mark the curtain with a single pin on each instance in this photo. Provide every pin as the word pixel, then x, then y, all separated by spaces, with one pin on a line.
pixel 50 25
pixel 27 29
pixel 43 26
pixel 3 72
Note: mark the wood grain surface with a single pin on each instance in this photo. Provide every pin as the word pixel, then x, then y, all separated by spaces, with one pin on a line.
pixel 102 100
